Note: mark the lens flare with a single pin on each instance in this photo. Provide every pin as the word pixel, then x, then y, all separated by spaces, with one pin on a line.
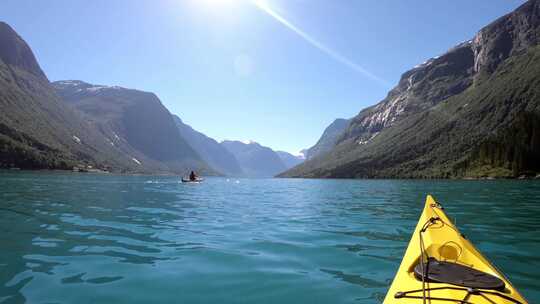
pixel 264 6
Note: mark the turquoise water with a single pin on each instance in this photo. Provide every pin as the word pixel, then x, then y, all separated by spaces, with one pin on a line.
pixel 68 238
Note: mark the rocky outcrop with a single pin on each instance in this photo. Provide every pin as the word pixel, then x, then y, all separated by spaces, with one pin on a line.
pixel 451 73
pixel 509 35
pixel 418 89
pixel 437 121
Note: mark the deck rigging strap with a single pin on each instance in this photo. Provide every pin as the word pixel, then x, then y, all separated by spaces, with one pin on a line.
pixel 423 253
pixel 470 291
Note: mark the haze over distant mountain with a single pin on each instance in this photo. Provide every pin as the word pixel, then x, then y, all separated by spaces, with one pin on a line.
pixel 217 156
pixel 134 122
pixel 255 160
pixel 328 139
pixel 235 158
pixel 473 111
pixel 37 129
pixel 290 160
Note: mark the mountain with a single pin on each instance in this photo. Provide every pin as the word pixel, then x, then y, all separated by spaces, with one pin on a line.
pixel 16 54
pixel 471 112
pixel 255 160
pixel 289 160
pixel 217 156
pixel 134 122
pixel 328 139
pixel 37 129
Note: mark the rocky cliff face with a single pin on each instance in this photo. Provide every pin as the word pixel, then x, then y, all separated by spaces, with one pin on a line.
pixel 451 73
pixel 37 129
pixel 15 53
pixel 508 36
pixel 449 104
pixel 135 122
pixel 328 139
pixel 418 89
pixel 210 150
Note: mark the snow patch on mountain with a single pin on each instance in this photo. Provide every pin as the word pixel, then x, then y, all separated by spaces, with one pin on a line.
pixel 363 142
pixel 99 88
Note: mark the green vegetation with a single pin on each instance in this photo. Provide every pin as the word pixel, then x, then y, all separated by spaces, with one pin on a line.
pixel 472 112
pixel 21 154
pixel 489 130
pixel 513 152
pixel 39 130
pixel 328 139
pixel 135 123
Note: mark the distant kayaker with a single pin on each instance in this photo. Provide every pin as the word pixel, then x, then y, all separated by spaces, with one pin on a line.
pixel 192 176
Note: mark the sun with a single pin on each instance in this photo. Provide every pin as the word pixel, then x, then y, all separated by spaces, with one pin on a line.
pixel 224 2
pixel 218 6
pixel 219 13
pixel 219 3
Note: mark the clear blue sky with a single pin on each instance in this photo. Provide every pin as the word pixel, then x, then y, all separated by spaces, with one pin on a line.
pixel 278 72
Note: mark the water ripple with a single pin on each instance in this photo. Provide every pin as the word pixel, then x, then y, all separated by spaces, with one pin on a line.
pixel 144 239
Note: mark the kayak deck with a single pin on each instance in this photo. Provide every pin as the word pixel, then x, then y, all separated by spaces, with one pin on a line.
pixel 452 269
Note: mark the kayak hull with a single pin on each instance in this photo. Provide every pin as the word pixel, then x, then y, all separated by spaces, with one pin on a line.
pixel 197 181
pixel 436 237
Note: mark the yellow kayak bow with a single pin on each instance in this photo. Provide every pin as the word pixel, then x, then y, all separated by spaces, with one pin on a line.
pixel 452 269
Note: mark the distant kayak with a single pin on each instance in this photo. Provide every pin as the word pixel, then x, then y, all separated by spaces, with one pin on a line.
pixel 196 181
pixel 442 266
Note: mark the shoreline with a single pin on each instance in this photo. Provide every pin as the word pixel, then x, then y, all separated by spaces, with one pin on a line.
pixel 102 172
